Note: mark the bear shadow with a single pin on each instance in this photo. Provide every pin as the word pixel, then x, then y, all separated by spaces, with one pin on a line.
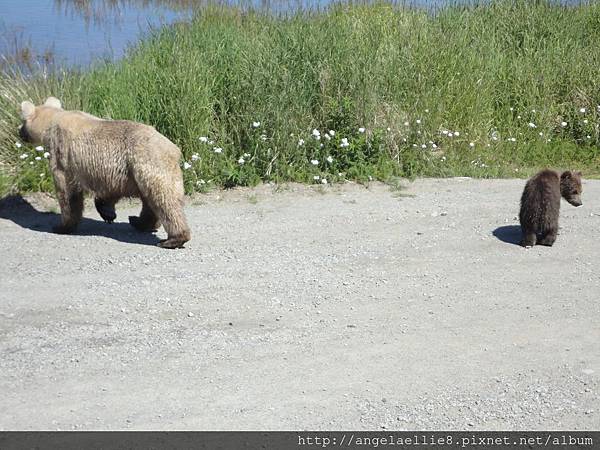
pixel 18 210
pixel 511 234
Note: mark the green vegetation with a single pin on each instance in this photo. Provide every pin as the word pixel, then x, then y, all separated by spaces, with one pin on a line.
pixel 490 91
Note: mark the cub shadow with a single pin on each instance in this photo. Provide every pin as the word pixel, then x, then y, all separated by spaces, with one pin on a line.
pixel 511 234
pixel 18 210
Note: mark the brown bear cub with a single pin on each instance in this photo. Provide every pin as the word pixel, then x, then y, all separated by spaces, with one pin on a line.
pixel 111 159
pixel 540 204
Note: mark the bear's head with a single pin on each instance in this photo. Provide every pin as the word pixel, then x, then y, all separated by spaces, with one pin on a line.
pixel 570 187
pixel 37 119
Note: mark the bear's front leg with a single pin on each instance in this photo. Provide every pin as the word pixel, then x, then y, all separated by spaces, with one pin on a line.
pixel 70 199
pixel 106 209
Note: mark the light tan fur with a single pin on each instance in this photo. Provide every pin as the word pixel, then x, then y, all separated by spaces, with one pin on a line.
pixel 111 159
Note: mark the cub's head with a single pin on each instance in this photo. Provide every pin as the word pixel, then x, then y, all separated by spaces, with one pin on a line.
pixel 37 119
pixel 570 187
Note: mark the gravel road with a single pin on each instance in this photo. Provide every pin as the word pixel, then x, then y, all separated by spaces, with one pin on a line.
pixel 294 307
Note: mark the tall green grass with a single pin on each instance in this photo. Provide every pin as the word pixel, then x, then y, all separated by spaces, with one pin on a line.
pixel 505 76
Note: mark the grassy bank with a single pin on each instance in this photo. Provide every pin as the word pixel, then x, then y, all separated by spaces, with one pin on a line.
pixel 492 91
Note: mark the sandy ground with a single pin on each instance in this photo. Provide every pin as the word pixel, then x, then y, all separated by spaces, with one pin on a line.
pixel 304 308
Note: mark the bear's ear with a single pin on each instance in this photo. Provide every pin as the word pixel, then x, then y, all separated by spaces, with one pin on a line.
pixel 27 110
pixel 53 102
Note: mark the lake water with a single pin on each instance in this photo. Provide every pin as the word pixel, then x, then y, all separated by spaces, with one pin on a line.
pixel 75 32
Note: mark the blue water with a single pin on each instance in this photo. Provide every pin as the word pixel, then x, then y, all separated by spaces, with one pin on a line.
pixel 71 35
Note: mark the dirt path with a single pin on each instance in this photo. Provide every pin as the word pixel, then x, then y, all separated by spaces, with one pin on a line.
pixel 342 308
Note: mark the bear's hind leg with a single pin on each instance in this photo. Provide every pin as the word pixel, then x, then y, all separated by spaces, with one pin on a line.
pixel 106 208
pixel 175 224
pixel 70 199
pixel 529 238
pixel 147 220
pixel 548 238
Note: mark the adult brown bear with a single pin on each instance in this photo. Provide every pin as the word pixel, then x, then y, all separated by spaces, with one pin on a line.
pixel 111 159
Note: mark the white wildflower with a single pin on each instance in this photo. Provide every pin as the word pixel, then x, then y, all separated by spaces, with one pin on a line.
pixel 195 157
pixel 471 144
pixel 300 142
pixel 418 121
pixel 406 124
pixel 24 156
pixel 241 161
pixel 39 148
pixel 314 162
pixel 203 139
pixel 316 177
pixel 563 124
pixel 46 155
pixel 247 155
pixel 585 121
pixel 218 150
pixel 361 130
pixel 423 145
pixel 456 133
pixel 344 143
pixel 582 110
pixel 532 125
pixel 329 159
pixel 38 158
pixel 316 133
pixel 18 144
pixel 256 124
pixel 332 133
pixel 186 165
pixel 323 181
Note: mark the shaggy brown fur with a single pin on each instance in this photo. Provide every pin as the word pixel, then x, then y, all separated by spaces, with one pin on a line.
pixel 540 205
pixel 111 159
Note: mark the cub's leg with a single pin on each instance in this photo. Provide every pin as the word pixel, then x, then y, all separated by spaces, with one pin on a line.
pixel 147 220
pixel 549 237
pixel 529 238
pixel 70 199
pixel 106 208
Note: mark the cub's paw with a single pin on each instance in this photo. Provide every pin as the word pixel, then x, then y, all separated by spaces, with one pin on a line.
pixel 63 229
pixel 106 210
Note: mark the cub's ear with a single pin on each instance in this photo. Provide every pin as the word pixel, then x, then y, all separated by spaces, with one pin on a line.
pixel 53 102
pixel 27 110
